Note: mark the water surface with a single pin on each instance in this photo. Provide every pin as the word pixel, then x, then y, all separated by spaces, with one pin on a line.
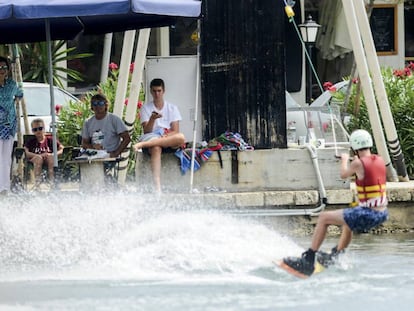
pixel 117 252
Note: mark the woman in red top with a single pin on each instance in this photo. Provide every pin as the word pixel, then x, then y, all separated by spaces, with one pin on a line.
pixel 370 172
pixel 39 150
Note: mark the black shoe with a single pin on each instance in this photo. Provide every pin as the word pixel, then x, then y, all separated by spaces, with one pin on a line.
pixel 328 259
pixel 304 265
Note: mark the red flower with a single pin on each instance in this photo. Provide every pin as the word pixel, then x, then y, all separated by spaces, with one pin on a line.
pixel 139 103
pixel 355 80
pixel 78 113
pixel 398 73
pixel 327 85
pixel 411 66
pixel 113 66
pixel 332 89
pixel 58 108
pixel 131 67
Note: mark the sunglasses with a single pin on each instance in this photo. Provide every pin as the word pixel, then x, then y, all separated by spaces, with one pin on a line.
pixel 99 103
pixel 35 129
pixel 4 67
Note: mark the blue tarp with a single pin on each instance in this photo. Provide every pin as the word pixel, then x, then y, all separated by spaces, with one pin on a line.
pixel 24 20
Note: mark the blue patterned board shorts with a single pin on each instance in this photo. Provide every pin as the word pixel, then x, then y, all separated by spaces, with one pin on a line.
pixel 361 219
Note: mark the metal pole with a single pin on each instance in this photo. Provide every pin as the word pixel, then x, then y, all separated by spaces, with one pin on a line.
pixel 310 74
pixel 52 95
pixel 196 101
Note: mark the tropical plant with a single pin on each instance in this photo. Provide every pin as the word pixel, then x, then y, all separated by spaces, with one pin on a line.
pixel 71 119
pixel 34 62
pixel 399 86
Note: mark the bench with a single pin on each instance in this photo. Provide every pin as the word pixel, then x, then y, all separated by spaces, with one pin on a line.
pixel 93 173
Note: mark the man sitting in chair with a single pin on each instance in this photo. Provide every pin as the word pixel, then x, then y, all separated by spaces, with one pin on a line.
pixel 104 130
pixel 160 122
pixel 39 150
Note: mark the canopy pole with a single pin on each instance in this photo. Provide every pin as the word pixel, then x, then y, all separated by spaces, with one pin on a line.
pixel 52 95
pixel 196 101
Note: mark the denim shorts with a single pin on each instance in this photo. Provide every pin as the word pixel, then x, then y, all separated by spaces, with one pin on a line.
pixel 149 136
pixel 361 219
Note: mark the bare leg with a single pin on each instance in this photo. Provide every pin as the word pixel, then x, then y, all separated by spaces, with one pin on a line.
pixel 37 166
pixel 174 140
pixel 345 239
pixel 156 166
pixel 325 219
pixel 50 168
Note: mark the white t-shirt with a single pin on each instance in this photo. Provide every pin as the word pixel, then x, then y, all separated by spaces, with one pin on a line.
pixel 169 112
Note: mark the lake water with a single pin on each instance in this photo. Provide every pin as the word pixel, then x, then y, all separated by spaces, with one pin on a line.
pixel 117 252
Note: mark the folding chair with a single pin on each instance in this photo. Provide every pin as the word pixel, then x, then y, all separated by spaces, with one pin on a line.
pixel 28 172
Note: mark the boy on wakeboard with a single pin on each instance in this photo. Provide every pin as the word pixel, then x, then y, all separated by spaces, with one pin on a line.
pixel 371 211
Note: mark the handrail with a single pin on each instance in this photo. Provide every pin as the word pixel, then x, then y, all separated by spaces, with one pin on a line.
pixel 315 211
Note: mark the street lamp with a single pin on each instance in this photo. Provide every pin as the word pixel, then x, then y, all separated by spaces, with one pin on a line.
pixel 309 30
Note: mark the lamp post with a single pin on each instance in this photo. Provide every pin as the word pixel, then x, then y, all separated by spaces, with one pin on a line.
pixel 309 30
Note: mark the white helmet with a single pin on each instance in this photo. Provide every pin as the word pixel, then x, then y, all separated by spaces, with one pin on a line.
pixel 360 139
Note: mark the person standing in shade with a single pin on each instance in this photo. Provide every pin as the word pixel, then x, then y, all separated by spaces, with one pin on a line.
pixel 161 124
pixel 9 91
pixel 370 172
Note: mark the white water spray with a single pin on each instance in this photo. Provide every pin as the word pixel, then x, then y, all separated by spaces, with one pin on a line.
pixel 122 236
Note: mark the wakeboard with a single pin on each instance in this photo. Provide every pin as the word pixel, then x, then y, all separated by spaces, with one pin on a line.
pixel 318 269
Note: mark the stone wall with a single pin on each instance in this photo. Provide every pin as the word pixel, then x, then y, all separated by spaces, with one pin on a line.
pixel 259 170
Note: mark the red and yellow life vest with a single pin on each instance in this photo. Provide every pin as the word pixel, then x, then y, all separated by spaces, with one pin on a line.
pixel 372 189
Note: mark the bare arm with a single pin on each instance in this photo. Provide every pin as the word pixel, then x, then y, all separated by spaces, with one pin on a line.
pixel 86 143
pixel 125 139
pixel 354 168
pixel 30 154
pixel 149 125
pixel 60 149
pixel 175 128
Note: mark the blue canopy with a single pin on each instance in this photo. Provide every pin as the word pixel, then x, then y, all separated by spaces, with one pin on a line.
pixel 24 20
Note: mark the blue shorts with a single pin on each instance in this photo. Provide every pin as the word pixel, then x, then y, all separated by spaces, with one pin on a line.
pixel 149 136
pixel 364 218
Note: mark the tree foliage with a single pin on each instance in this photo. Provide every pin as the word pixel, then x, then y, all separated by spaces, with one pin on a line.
pixel 35 65
pixel 399 86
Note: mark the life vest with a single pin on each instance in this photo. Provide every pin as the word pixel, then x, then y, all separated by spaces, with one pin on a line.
pixel 372 189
